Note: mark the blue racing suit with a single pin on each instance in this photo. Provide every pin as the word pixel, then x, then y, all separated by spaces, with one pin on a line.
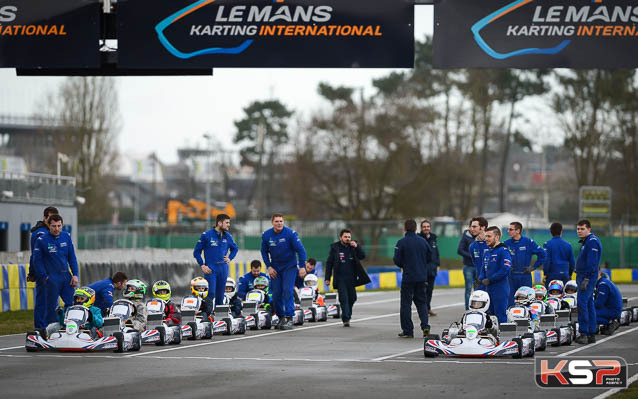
pixel 477 249
pixel 215 246
pixel 283 251
pixel 608 301
pixel 522 252
pixel 40 306
pixel 497 264
pixel 245 284
pixel 103 294
pixel 52 257
pixel 587 268
pixel 559 264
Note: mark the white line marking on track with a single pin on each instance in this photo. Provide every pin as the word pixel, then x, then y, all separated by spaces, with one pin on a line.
pixel 607 394
pixel 279 332
pixel 13 347
pixel 598 342
pixel 10 335
pixel 378 359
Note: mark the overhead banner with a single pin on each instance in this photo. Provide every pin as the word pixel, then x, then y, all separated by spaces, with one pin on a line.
pixel 260 33
pixel 49 33
pixel 535 33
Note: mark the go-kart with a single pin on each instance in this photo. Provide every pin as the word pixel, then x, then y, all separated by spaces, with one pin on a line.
pixel 527 322
pixel 556 333
pixel 194 326
pixel 224 322
pixel 471 338
pixel 627 314
pixel 312 311
pixel 118 323
pixel 256 317
pixel 73 338
pixel 157 331
pixel 333 307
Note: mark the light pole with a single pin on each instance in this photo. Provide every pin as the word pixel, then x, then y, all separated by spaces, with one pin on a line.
pixel 209 169
pixel 61 158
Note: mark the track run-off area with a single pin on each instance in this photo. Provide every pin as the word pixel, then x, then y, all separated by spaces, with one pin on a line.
pixel 325 359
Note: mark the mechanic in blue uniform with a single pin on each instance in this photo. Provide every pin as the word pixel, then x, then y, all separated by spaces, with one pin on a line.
pixel 587 266
pixel 413 255
pixel 40 306
pixel 433 267
pixel 216 244
pixel 497 264
pixel 282 251
pixel 104 290
pixel 477 249
pixel 522 249
pixel 246 281
pixel 559 264
pixel 608 304
pixel 469 271
pixel 311 264
pixel 52 256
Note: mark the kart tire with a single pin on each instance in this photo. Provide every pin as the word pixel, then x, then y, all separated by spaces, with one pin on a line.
pixel 193 326
pixel 313 312
pixel 429 354
pixel 569 338
pixel 543 343
pixel 137 343
pixel 208 331
pixel 268 324
pixel 42 332
pixel 325 314
pixel 557 331
pixel 162 333
pixel 177 335
pixel 533 348
pixel 120 341
pixel 256 317
pixel 30 348
pixel 229 326
pixel 519 353
pixel 338 315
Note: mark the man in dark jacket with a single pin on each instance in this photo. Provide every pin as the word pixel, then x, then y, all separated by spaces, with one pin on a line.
pixel 426 233
pixel 345 259
pixel 412 254
pixel 40 306
pixel 477 224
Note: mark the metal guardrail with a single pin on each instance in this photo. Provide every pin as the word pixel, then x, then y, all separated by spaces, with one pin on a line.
pixel 17 120
pixel 37 188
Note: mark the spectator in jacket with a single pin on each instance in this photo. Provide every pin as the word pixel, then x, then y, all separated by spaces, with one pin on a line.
pixel 587 266
pixel 559 263
pixel 413 254
pixel 477 224
pixel 433 266
pixel 344 260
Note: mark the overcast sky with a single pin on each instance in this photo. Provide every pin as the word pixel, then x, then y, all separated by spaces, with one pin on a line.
pixel 163 113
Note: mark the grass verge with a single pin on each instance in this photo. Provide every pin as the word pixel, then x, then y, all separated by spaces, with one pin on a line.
pixel 16 322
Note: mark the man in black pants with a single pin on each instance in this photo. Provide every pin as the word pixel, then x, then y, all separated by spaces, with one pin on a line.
pixel 412 254
pixel 345 259
pixel 433 266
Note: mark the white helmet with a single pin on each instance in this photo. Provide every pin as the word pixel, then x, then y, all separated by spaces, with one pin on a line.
pixel 524 295
pixel 231 287
pixel 571 286
pixel 311 280
pixel 480 300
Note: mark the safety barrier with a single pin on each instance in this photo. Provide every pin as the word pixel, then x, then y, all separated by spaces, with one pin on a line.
pixel 18 294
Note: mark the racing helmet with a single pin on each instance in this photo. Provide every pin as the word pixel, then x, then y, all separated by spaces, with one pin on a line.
pixel 480 300
pixel 135 289
pixel 311 280
pixel 540 292
pixel 162 285
pixel 261 283
pixel 231 287
pixel 199 287
pixel 555 289
pixel 570 287
pixel 84 296
pixel 524 296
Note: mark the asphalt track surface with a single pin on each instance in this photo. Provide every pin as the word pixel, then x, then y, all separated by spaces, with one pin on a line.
pixel 325 360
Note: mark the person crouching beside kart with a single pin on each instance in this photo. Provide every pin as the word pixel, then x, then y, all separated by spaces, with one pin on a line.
pixel 555 295
pixel 172 315
pixel 84 296
pixel 199 289
pixel 231 298
pixel 608 303
pixel 135 291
